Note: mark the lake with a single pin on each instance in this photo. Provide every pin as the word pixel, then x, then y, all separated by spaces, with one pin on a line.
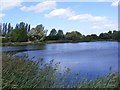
pixel 94 58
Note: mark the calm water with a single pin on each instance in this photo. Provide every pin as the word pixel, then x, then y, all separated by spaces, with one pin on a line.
pixel 94 58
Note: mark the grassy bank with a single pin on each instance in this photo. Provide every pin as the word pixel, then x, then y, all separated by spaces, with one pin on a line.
pixel 20 43
pixel 46 42
pixel 21 72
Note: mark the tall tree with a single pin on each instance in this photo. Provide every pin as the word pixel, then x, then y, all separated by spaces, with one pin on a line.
pixel 9 28
pixel 22 25
pixel 29 28
pixel 6 29
pixel 60 32
pixel 74 35
pixel 53 32
pixel 0 29
pixel 26 27
pixel 37 33
pixel 110 32
pixel 16 27
pixel 17 35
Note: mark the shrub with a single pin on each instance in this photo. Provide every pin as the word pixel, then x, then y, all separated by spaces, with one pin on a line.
pixel 17 35
pixel 4 40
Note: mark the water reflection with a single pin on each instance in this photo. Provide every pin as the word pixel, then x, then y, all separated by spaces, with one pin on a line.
pixel 24 48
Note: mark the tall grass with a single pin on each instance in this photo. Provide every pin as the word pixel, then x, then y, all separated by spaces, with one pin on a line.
pixel 21 72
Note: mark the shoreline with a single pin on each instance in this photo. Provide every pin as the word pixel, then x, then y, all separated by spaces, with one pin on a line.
pixel 47 42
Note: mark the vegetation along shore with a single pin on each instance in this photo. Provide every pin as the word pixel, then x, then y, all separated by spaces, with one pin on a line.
pixel 23 34
pixel 21 72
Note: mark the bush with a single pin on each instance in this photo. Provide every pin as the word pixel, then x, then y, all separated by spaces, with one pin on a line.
pixel 17 35
pixel 4 40
pixel 55 37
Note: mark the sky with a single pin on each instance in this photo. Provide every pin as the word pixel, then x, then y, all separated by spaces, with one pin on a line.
pixel 85 17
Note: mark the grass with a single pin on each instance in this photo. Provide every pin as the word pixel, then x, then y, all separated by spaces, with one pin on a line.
pixel 20 43
pixel 21 72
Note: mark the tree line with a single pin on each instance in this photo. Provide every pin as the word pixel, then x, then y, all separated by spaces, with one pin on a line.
pixel 23 32
pixel 6 28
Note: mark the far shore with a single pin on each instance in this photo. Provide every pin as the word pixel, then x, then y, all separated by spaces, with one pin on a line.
pixel 46 42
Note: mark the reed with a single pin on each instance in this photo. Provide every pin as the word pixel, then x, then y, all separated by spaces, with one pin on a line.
pixel 22 72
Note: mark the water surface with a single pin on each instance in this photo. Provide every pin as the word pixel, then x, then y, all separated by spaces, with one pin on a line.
pixel 94 58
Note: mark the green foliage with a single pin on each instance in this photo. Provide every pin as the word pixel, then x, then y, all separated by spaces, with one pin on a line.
pixel 9 28
pixel 115 35
pixel 55 36
pixel 37 33
pixel 104 36
pixel 22 33
pixel 77 36
pixel 60 32
pixel 17 35
pixel 21 72
pixel 4 40
pixel 53 32
pixel 91 37
pixel 74 35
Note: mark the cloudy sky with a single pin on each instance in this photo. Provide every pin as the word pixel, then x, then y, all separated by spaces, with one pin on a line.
pixel 85 17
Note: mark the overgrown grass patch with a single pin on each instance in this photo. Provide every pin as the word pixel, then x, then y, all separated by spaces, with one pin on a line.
pixel 21 72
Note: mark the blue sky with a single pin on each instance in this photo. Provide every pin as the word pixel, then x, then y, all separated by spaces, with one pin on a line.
pixel 85 17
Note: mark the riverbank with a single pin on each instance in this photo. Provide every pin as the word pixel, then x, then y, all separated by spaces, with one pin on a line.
pixel 21 72
pixel 46 42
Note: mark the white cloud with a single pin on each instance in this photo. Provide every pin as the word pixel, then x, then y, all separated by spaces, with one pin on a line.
pixel 2 15
pixel 60 13
pixel 8 4
pixel 70 15
pixel 116 3
pixel 105 26
pixel 40 7
pixel 111 26
pixel 88 18
pixel 95 27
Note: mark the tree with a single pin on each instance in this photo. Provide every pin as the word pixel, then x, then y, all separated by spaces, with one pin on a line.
pixel 22 25
pixel 53 32
pixel 16 27
pixel 26 27
pixel 102 36
pixel 37 33
pixel 29 28
pixel 110 32
pixel 17 35
pixel 9 28
pixel 6 29
pixel 0 29
pixel 114 31
pixel 74 35
pixel 55 36
pixel 116 35
pixel 60 35
pixel 106 36
pixel 94 36
pixel 60 32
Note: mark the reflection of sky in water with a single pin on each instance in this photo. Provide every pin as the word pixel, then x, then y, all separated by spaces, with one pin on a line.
pixel 26 47
pixel 87 57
